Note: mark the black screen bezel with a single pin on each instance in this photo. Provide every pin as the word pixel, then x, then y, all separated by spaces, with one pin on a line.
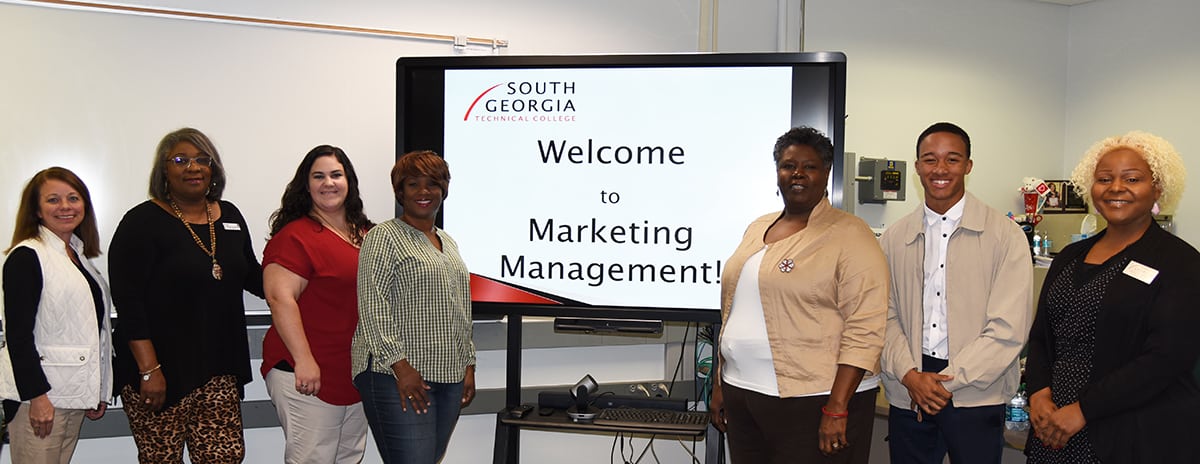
pixel 420 111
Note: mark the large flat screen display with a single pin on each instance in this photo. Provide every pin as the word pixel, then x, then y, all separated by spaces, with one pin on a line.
pixel 611 181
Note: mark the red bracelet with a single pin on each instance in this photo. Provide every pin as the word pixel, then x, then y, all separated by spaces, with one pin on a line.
pixel 830 414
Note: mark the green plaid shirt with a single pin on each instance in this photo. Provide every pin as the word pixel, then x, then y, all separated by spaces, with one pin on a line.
pixel 414 303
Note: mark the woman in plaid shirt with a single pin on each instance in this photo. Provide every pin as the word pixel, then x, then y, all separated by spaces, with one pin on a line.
pixel 412 354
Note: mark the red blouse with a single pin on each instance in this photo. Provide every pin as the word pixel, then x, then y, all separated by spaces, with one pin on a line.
pixel 328 305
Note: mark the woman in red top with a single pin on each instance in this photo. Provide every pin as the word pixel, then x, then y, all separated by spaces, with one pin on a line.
pixel 310 268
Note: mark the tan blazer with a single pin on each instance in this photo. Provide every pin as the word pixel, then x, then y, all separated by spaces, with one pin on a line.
pixel 824 297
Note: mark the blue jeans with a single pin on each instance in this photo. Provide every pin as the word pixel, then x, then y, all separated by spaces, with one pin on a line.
pixel 405 436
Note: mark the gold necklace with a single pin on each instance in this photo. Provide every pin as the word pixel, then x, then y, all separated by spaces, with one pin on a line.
pixel 212 236
pixel 321 219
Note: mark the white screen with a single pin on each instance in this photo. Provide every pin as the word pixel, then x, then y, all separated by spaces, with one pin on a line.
pixel 537 156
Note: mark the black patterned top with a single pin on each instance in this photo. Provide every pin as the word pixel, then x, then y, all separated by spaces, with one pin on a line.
pixel 1073 303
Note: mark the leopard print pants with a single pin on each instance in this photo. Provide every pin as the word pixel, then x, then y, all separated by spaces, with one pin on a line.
pixel 208 420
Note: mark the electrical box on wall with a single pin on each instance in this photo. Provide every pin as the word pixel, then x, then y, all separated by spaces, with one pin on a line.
pixel 880 180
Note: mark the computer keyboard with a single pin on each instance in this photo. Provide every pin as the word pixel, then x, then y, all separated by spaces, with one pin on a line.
pixel 661 419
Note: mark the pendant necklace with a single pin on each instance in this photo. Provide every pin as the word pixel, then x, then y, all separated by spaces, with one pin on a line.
pixel 212 236
pixel 321 219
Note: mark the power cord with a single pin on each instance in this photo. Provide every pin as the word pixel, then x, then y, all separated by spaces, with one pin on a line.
pixel 620 437
pixel 649 446
pixel 674 376
pixel 705 354
pixel 691 452
pixel 703 339
pixel 686 329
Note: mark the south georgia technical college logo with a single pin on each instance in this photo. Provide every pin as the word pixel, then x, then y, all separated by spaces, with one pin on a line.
pixel 524 102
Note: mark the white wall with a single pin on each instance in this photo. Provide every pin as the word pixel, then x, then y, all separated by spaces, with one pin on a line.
pixel 94 92
pixel 995 67
pixel 1034 83
pixel 1135 64
pixel 746 25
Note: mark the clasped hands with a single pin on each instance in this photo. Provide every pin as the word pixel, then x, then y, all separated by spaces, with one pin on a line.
pixel 1053 425
pixel 928 394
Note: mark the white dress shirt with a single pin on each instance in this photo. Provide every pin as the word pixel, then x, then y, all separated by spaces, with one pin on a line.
pixel 938 229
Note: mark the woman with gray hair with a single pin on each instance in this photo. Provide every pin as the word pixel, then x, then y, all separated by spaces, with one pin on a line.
pixel 180 263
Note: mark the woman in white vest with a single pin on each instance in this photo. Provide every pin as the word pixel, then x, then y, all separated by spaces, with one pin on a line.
pixel 57 355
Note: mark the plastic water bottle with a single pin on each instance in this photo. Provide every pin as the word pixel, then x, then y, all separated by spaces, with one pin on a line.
pixel 1015 415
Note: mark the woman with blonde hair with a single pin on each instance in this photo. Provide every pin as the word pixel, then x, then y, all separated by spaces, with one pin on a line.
pixel 1113 348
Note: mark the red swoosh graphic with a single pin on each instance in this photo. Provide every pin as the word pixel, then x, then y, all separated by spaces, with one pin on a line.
pixel 484 289
pixel 469 108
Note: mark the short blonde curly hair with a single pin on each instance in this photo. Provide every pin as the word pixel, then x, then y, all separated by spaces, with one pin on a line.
pixel 1165 165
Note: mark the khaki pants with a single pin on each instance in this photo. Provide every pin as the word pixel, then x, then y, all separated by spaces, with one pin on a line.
pixel 56 448
pixel 315 431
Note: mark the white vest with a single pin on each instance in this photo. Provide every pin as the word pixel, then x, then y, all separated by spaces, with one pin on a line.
pixel 76 356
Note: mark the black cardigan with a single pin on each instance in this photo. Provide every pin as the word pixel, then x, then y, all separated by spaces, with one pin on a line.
pixel 1142 400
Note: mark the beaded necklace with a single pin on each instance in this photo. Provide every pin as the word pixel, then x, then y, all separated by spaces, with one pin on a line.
pixel 212 235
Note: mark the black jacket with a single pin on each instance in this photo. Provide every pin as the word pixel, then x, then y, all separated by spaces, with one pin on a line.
pixel 1142 401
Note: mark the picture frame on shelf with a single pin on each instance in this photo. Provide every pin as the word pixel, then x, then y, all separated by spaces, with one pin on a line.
pixel 1062 199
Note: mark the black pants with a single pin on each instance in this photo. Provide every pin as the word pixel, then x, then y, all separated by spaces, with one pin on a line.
pixel 969 435
pixel 765 429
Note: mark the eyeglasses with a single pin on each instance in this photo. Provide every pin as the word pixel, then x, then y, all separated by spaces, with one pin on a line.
pixel 185 162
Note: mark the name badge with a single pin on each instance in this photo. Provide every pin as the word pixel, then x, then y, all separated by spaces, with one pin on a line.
pixel 1141 272
pixel 231 226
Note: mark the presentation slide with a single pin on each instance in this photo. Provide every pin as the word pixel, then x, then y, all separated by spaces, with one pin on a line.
pixel 610 186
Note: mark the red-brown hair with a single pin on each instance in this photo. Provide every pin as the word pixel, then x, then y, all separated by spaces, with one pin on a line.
pixel 421 163
pixel 27 215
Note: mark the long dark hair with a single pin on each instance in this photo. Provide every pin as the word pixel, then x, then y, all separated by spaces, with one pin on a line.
pixel 31 197
pixel 297 202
